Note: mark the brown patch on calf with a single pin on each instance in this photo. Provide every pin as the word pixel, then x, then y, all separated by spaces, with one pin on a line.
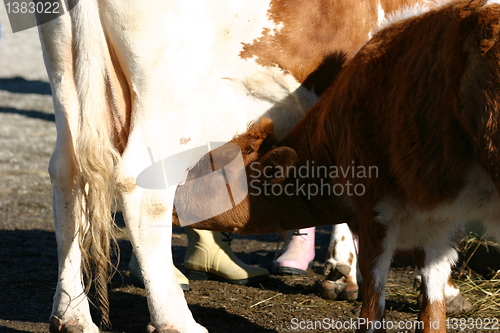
pixel 371 235
pixel 433 317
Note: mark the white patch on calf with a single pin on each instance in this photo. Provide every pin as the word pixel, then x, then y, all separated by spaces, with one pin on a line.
pixel 436 272
pixel 434 230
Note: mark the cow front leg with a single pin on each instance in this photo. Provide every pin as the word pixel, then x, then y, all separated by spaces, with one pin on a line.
pixel 341 266
pixel 70 310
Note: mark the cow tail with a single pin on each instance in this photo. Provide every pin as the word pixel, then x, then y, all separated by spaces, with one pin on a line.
pixel 95 153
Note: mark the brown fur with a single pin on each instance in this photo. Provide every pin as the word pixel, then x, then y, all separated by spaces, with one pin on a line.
pixel 420 102
pixel 312 30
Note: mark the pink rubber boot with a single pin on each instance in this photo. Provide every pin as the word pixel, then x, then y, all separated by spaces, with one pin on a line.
pixel 298 252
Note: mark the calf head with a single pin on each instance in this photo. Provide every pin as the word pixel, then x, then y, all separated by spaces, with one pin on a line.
pixel 258 210
pixel 276 199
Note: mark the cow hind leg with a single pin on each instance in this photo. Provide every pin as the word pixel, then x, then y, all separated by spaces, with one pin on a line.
pixel 70 311
pixel 341 266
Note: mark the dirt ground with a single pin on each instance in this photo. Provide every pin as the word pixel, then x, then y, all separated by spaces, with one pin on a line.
pixel 28 256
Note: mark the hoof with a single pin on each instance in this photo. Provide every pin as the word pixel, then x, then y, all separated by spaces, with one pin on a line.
pixel 56 326
pixel 337 286
pixel 331 290
pixel 152 329
pixel 457 305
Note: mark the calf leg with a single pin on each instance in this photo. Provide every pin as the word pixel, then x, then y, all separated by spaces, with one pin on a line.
pixel 375 254
pixel 434 263
pixel 456 303
pixel 341 266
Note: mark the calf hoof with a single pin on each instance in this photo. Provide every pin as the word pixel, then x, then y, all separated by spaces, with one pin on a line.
pixel 57 326
pixel 457 305
pixel 338 290
pixel 454 305
pixel 331 290
pixel 337 285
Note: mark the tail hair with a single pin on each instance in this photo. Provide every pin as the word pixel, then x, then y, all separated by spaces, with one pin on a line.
pixel 95 153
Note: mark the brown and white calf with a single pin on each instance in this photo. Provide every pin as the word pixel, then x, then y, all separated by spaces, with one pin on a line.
pixel 135 83
pixel 409 137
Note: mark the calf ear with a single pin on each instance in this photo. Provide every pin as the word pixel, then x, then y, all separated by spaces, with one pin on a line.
pixel 276 163
pixel 481 26
pixel 257 140
pixel 490 33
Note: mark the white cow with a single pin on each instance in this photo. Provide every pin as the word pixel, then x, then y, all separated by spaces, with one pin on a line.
pixel 137 79
pixel 135 82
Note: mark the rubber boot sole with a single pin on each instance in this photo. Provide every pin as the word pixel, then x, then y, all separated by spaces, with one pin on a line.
pixel 284 270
